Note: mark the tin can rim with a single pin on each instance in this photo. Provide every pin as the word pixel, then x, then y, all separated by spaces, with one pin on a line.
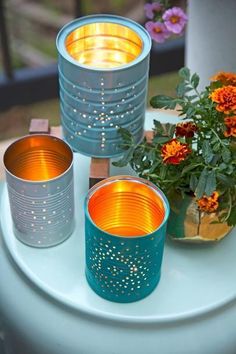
pixel 39 181
pixel 112 179
pixel 135 26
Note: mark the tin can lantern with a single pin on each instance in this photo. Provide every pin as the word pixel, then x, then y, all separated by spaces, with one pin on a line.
pixel 103 75
pixel 125 227
pixel 39 175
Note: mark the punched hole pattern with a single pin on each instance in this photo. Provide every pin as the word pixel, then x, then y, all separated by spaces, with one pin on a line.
pixel 121 269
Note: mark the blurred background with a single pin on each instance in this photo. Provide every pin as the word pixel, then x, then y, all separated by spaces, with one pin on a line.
pixel 28 56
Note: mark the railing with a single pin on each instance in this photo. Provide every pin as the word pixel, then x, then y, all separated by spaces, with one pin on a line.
pixel 6 58
pixel 23 86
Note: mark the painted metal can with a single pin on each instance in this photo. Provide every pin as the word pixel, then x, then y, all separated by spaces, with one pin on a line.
pixel 103 75
pixel 39 175
pixel 125 228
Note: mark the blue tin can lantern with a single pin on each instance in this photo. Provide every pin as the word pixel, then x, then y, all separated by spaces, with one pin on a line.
pixel 125 227
pixel 103 75
pixel 39 175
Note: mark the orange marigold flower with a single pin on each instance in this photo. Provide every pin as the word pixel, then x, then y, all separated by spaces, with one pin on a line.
pixel 230 123
pixel 226 78
pixel 226 99
pixel 209 204
pixel 186 129
pixel 173 152
pixel 230 132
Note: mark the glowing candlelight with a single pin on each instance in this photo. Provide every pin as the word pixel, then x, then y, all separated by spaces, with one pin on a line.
pixel 104 45
pixel 126 208
pixel 38 158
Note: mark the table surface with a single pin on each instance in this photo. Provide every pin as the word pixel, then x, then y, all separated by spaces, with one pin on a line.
pixel 195 279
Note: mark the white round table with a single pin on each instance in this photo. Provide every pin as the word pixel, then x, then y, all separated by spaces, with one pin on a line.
pixel 47 307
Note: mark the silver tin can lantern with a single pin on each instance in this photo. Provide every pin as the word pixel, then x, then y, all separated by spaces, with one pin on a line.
pixel 39 175
pixel 125 228
pixel 103 74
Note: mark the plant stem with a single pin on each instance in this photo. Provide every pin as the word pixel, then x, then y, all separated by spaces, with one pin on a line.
pixel 195 89
pixel 217 136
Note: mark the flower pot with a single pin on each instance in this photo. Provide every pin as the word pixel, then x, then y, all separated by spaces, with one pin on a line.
pixel 188 224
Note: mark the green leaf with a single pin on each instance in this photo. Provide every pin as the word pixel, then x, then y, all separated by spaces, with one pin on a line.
pixel 226 180
pixel 152 175
pixel 190 111
pixel 210 183
pixel 226 155
pixel 214 160
pixel 160 139
pixel 125 134
pixel 158 126
pixel 162 101
pixel 214 139
pixel 154 166
pixel 193 182
pixel 195 80
pixel 125 158
pixel 189 168
pixel 230 169
pixel 192 97
pixel 222 166
pixel 206 151
pixel 232 217
pixel 216 147
pixel 184 73
pixel 151 155
pixel 171 130
pixel 182 88
pixel 163 171
pixel 201 183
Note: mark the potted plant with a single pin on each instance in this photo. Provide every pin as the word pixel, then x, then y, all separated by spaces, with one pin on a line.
pixel 194 161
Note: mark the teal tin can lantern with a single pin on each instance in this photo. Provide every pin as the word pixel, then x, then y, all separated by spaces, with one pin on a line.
pixel 103 75
pixel 125 228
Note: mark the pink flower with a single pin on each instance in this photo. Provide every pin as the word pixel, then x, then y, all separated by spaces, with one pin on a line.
pixel 157 31
pixel 151 9
pixel 175 20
